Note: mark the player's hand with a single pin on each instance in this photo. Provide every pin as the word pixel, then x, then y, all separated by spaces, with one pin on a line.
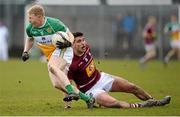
pixel 62 45
pixel 25 56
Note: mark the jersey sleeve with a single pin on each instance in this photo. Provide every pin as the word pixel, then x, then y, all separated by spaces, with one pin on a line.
pixel 28 30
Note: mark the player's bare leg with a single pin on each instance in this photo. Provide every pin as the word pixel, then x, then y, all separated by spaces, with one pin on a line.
pixel 57 85
pixel 56 66
pixel 148 56
pixel 169 55
pixel 123 85
pixel 55 82
pixel 106 100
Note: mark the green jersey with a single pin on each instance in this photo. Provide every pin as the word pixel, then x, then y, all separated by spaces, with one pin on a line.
pixel 42 35
pixel 174 29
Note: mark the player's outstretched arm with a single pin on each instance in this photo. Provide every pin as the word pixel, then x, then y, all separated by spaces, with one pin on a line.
pixel 28 45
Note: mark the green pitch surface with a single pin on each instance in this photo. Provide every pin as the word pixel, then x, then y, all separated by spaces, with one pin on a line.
pixel 25 89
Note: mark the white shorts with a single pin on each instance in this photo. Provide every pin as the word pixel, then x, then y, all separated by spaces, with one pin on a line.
pixel 149 46
pixel 103 85
pixel 66 54
pixel 175 44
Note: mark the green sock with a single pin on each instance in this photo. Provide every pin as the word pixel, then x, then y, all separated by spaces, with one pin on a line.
pixel 69 88
pixel 84 96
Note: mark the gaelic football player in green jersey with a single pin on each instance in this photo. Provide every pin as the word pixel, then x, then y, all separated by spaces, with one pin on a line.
pixel 173 28
pixel 40 30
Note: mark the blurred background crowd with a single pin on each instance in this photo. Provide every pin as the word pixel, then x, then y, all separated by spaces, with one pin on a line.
pixel 114 28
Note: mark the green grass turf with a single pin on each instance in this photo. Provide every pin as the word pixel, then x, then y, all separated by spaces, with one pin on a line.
pixel 25 89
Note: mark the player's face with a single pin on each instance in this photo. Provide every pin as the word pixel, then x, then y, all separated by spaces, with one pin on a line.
pixel 35 20
pixel 79 45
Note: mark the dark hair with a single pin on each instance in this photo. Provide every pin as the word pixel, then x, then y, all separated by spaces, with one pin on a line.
pixel 77 34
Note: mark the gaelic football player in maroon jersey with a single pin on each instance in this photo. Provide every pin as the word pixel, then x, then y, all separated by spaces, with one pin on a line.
pixel 150 41
pixel 97 84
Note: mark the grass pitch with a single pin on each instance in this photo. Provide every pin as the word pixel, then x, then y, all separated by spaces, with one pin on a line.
pixel 25 89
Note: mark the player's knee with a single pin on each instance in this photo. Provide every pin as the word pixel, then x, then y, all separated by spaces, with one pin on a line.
pixel 132 88
pixel 129 87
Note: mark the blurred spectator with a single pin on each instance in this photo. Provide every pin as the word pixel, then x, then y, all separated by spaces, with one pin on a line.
pixel 149 36
pixel 124 30
pixel 119 33
pixel 128 25
pixel 3 42
pixel 173 28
